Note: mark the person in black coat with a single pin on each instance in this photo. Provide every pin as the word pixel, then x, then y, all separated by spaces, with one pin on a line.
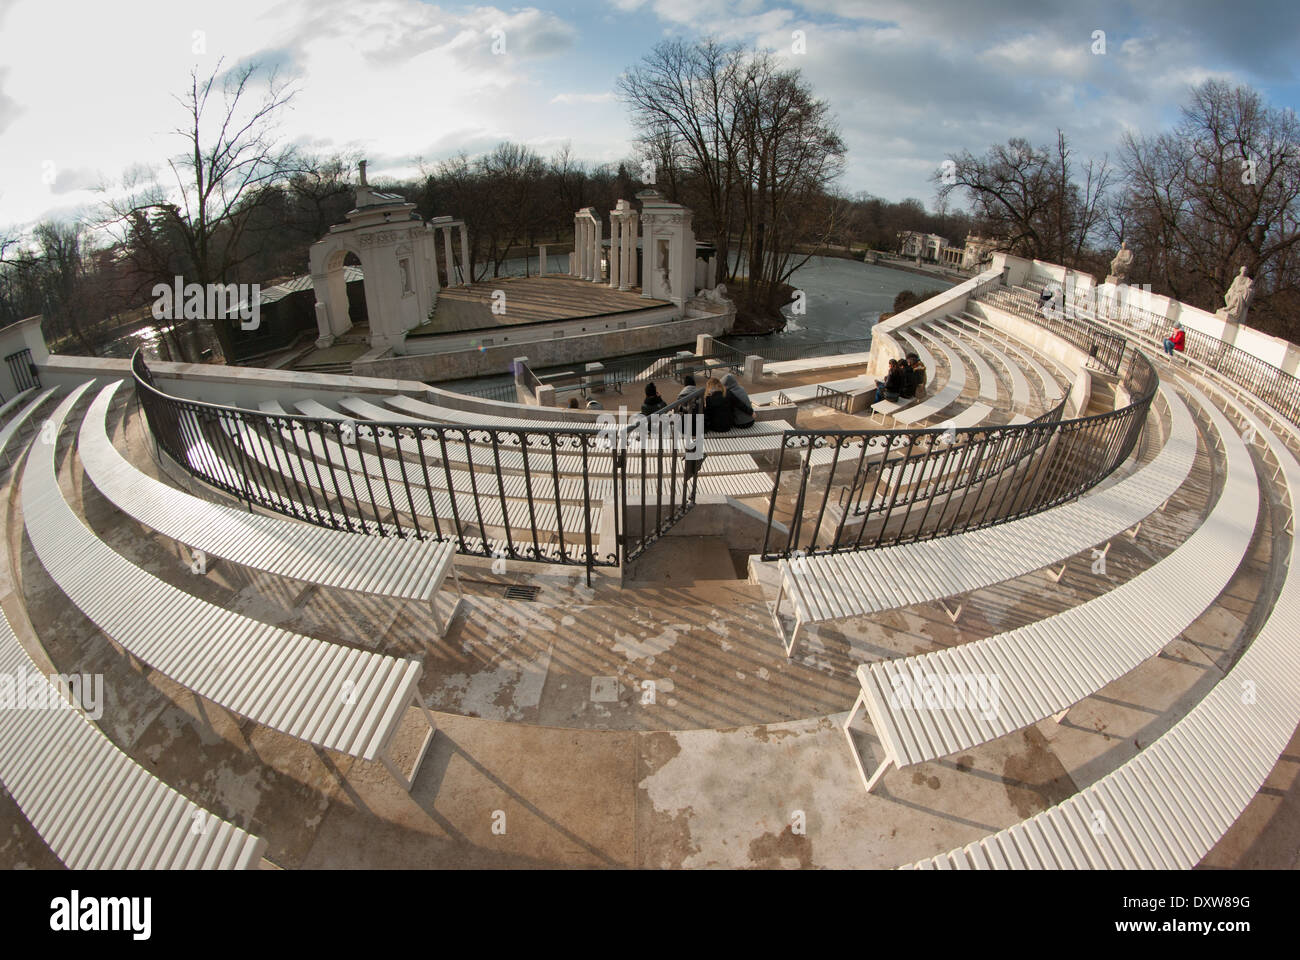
pixel 717 407
pixel 653 402
pixel 889 388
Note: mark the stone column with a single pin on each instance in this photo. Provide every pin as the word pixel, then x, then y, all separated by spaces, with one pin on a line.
pixel 598 229
pixel 573 257
pixel 446 249
pixel 615 250
pixel 541 259
pixel 586 249
pixel 632 249
pixel 464 253
pixel 647 255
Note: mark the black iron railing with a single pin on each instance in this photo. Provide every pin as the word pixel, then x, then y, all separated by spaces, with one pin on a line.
pixel 835 399
pixel 1279 389
pixel 1106 348
pixel 524 494
pixel 862 489
pixel 23 371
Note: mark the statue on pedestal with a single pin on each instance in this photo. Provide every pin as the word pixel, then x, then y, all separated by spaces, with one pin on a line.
pixel 1120 266
pixel 1237 300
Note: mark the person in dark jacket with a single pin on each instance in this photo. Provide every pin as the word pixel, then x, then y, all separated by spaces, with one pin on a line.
pixel 717 407
pixel 742 410
pixel 653 402
pixel 888 389
pixel 918 375
pixel 907 391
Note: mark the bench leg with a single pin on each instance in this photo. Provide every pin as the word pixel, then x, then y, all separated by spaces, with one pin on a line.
pixel 776 619
pixel 867 781
pixel 408 782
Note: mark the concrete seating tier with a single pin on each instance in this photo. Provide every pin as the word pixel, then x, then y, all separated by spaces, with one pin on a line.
pixel 403 569
pixel 94 806
pixel 834 586
pixel 332 696
pixel 934 403
pixel 1022 395
pixel 986 381
pixel 1044 668
pixel 1050 374
pixel 1168 806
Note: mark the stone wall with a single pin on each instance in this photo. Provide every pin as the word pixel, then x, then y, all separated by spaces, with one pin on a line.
pixel 548 353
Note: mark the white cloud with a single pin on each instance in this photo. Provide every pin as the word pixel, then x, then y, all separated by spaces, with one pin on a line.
pixel 583 98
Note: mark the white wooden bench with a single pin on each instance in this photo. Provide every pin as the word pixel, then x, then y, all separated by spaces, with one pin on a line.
pixel 20 421
pixel 94 806
pixel 972 416
pixel 1021 394
pixel 1169 805
pixel 332 696
pixel 406 569
pixel 934 403
pixel 834 586
pixel 1051 383
pixel 986 381
pixel 14 402
pixel 1045 667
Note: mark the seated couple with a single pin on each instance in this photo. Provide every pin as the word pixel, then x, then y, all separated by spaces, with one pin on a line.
pixel 905 380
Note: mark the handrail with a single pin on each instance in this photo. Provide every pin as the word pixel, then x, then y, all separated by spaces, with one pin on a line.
pixel 885 487
pixel 400 479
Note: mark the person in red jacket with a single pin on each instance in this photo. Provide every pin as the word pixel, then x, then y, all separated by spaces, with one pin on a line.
pixel 1176 340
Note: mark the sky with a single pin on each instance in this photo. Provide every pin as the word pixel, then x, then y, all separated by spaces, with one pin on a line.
pixel 88 89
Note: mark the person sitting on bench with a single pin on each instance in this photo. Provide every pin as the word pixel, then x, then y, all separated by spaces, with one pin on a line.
pixel 888 389
pixel 908 390
pixel 918 375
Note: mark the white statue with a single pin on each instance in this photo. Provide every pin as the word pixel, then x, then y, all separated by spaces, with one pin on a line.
pixel 1237 300
pixel 1119 267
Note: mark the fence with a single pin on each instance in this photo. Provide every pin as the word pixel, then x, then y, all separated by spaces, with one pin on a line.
pixel 884 487
pixel 403 479
pixel 1106 348
pixel 506 493
pixel 24 372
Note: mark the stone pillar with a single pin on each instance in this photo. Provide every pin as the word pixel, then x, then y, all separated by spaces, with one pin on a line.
pixel 615 251
pixel 632 250
pixel 647 255
pixel 446 249
pixel 541 259
pixel 598 229
pixel 753 367
pixel 573 257
pixel 703 345
pixel 464 253
pixel 586 249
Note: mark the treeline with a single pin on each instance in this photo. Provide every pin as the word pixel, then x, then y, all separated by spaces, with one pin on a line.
pixel 1219 191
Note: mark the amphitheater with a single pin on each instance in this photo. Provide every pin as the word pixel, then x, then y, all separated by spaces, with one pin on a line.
pixel 1042 617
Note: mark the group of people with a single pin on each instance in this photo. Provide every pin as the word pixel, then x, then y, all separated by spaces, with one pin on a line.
pixel 904 381
pixel 726 404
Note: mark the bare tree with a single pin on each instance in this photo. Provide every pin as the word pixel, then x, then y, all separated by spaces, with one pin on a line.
pixel 232 156
pixel 1218 192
